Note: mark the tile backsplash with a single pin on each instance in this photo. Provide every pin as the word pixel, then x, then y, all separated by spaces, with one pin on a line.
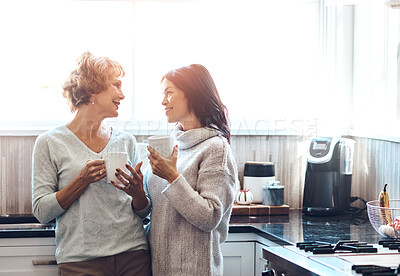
pixel 375 162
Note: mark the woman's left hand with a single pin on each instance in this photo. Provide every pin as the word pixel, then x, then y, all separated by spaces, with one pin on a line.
pixel 164 167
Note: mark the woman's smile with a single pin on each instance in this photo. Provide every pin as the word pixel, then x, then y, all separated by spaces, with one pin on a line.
pixel 167 109
pixel 116 104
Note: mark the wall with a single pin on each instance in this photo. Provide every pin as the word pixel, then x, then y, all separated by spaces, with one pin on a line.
pixel 375 162
pixel 15 174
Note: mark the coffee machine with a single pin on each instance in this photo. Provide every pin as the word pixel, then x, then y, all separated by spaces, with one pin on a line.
pixel 327 184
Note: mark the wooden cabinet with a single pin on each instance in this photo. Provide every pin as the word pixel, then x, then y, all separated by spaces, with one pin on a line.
pixel 28 257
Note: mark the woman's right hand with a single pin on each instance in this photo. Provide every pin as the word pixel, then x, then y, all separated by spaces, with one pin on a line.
pixel 93 171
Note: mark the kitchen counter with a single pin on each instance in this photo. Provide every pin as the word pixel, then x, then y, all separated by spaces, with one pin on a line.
pixel 295 227
pixel 290 260
pixel 24 226
pixel 283 230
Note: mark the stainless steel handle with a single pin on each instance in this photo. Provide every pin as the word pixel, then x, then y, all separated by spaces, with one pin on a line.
pixel 44 262
pixel 271 272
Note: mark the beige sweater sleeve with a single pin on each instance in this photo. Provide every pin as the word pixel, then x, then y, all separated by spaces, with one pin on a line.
pixel 214 194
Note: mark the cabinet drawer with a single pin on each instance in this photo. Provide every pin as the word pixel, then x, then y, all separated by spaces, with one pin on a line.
pixel 23 266
pixel 15 251
pixel 28 260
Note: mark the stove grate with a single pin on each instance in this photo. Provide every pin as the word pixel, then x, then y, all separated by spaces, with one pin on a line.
pixel 375 270
pixel 317 247
pixel 393 244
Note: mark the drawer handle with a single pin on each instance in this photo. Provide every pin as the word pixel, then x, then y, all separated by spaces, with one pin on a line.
pixel 44 262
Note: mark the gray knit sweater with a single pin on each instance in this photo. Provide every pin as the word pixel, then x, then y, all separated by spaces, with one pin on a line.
pixel 190 216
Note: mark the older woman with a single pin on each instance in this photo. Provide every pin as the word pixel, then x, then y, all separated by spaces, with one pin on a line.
pixel 99 228
pixel 192 191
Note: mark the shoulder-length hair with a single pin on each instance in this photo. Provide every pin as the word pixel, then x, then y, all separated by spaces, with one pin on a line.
pixel 92 76
pixel 203 99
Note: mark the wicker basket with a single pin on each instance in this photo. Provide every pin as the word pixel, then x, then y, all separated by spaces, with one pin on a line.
pixel 376 216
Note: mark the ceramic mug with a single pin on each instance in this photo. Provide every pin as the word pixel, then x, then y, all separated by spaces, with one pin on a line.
pixel 114 160
pixel 163 144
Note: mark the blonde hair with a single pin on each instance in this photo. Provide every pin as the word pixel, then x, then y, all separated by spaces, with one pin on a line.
pixel 92 76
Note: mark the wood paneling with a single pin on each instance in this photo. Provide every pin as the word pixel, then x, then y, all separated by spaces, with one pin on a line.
pixel 288 154
pixel 375 162
pixel 15 171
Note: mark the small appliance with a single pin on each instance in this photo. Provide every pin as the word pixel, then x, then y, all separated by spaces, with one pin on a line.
pixel 256 175
pixel 327 183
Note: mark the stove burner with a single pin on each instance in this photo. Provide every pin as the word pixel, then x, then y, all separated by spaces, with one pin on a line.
pixel 375 270
pixel 317 247
pixel 393 244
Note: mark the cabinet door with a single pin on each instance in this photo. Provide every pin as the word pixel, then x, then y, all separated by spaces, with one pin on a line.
pixel 261 264
pixel 238 258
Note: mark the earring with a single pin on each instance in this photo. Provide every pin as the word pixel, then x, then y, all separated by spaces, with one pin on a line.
pixel 93 100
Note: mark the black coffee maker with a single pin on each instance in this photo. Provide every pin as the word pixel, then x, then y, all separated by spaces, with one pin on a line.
pixel 327 184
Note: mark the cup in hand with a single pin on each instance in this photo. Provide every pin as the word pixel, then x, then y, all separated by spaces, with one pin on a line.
pixel 163 144
pixel 114 160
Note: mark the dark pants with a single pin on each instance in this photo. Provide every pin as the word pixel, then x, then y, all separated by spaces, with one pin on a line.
pixel 133 263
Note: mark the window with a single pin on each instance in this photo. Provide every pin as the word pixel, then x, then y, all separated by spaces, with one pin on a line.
pixel 376 70
pixel 41 41
pixel 265 56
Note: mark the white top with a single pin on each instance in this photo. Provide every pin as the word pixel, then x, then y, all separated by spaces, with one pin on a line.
pixel 101 221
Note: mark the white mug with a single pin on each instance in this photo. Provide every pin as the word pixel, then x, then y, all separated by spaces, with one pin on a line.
pixel 163 144
pixel 114 160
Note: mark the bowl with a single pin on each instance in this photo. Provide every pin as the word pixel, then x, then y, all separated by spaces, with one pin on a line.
pixel 386 221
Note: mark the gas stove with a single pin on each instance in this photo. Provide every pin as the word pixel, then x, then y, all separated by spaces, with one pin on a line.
pixel 340 258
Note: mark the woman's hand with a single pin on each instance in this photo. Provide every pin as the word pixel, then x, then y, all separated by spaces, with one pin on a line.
pixel 133 186
pixel 164 167
pixel 93 171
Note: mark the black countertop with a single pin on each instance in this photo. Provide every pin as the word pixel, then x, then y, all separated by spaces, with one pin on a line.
pixel 11 219
pixel 24 226
pixel 296 227
pixel 283 230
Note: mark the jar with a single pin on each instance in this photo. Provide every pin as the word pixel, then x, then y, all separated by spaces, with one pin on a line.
pixel 273 194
